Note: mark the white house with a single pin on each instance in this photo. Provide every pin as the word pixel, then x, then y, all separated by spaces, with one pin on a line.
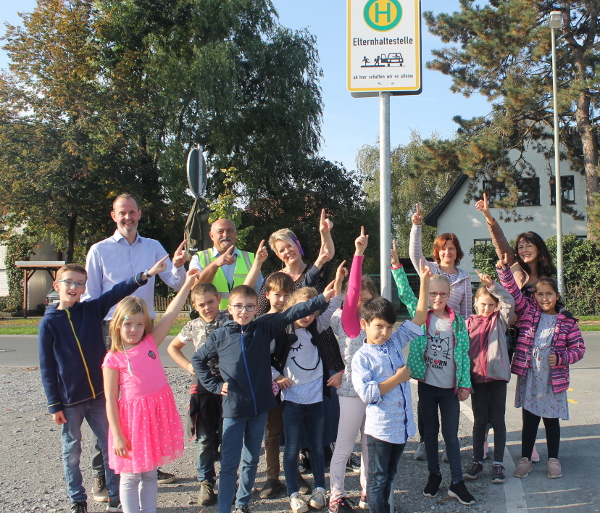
pixel 536 200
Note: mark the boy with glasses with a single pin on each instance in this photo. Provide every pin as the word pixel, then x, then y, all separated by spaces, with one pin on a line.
pixel 243 349
pixel 71 349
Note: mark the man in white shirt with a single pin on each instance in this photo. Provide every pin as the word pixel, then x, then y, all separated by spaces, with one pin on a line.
pixel 115 259
pixel 224 265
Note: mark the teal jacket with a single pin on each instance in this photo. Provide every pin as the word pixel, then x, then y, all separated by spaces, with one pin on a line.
pixel 416 352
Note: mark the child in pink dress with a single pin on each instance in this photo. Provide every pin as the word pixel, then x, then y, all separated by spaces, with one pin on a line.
pixel 145 426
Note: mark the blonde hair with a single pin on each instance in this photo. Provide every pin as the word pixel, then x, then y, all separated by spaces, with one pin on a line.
pixel 301 295
pixel 76 268
pixel 128 307
pixel 483 291
pixel 443 279
pixel 286 235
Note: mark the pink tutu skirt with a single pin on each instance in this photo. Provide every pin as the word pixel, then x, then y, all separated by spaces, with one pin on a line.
pixel 153 427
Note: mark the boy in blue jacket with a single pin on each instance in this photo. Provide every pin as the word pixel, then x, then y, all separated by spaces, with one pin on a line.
pixel 242 346
pixel 71 350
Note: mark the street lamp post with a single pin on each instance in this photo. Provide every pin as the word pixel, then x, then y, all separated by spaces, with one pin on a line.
pixel 555 23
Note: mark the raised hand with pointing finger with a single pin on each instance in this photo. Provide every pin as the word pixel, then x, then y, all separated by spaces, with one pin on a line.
pixel 417 218
pixel 180 255
pixel 361 242
pixel 483 206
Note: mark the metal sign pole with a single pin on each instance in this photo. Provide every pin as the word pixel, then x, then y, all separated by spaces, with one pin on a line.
pixel 385 195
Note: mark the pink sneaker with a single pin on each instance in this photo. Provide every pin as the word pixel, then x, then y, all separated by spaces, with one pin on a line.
pixel 535 456
pixel 554 468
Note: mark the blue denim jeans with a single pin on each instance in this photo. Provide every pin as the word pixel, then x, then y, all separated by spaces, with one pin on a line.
pixel 94 412
pixel 431 398
pixel 242 438
pixel 383 463
pixel 307 419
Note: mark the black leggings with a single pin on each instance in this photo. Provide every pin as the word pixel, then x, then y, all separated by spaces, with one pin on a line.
pixel 529 433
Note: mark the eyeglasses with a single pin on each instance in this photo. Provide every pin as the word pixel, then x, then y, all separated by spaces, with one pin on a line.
pixel 71 283
pixel 443 295
pixel 248 308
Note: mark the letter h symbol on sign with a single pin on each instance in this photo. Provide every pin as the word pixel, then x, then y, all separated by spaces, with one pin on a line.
pixel 388 12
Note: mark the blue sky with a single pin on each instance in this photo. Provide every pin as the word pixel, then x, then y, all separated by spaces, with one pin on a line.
pixel 349 123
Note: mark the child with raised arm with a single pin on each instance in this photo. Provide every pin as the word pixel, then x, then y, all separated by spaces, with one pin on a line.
pixel 380 377
pixel 439 360
pixel 243 348
pixel 490 372
pixel 71 349
pixel 549 342
pixel 304 382
pixel 205 407
pixel 346 326
pixel 145 426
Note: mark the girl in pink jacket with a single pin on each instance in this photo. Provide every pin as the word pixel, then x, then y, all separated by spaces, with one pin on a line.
pixel 549 341
pixel 490 372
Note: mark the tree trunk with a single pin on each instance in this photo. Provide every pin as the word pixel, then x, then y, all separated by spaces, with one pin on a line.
pixel 71 238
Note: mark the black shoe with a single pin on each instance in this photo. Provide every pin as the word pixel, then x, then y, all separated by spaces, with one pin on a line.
pixel 164 477
pixel 498 476
pixel 433 485
pixel 353 463
pixel 271 488
pixel 459 492
pixel 207 495
pixel 242 509
pixel 473 470
pixel 79 507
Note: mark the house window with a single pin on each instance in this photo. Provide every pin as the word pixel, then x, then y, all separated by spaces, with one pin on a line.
pixel 528 193
pixel 482 242
pixel 567 185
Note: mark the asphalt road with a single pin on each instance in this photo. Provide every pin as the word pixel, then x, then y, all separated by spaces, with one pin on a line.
pixel 577 492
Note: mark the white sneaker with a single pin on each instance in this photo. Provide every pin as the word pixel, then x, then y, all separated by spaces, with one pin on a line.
pixel 318 499
pixel 297 503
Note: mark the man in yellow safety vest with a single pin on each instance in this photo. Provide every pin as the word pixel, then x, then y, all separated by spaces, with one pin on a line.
pixel 224 265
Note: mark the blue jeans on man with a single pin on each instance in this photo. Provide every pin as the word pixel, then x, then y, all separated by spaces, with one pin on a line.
pixel 242 438
pixel 299 419
pixel 94 412
pixel 383 464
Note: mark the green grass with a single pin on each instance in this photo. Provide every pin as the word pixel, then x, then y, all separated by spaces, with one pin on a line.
pixel 33 330
pixel 19 330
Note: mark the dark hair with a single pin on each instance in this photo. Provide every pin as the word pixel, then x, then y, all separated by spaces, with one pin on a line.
pixel 243 290
pixel 545 266
pixel 279 282
pixel 378 308
pixel 77 268
pixel 547 280
pixel 439 243
pixel 204 288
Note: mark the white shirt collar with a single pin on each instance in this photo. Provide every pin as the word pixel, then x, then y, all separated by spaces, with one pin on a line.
pixel 118 237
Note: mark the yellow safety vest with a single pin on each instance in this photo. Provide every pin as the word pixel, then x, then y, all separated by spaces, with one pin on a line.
pixel 242 268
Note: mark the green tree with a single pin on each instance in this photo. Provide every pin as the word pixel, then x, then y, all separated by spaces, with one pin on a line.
pixel 55 146
pixel 409 184
pixel 106 97
pixel 502 51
